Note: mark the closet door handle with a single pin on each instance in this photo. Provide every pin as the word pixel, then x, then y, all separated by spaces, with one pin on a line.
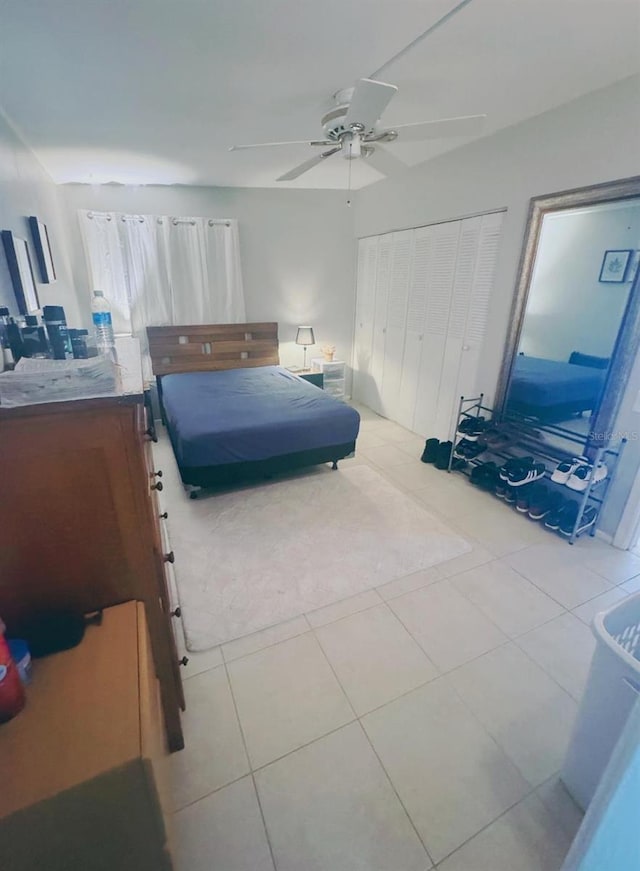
pixel 169 557
pixel 157 486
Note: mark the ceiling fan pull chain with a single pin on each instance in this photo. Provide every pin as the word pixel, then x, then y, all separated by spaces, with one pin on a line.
pixel 349 181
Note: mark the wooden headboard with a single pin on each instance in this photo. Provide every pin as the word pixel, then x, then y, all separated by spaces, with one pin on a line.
pixel 207 347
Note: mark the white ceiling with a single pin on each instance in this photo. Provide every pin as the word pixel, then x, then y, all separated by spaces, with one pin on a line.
pixel 154 91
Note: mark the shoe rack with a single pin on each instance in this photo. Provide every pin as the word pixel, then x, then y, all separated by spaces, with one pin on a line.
pixel 528 443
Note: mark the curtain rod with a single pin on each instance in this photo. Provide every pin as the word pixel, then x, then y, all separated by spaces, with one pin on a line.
pixel 212 222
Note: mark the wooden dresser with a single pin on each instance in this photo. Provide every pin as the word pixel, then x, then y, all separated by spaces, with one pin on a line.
pixel 82 765
pixel 79 522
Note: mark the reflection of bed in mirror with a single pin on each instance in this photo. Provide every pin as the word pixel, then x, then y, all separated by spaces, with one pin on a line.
pixel 554 390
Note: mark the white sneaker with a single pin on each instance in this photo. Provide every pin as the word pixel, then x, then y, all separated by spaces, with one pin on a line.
pixel 565 470
pixel 583 476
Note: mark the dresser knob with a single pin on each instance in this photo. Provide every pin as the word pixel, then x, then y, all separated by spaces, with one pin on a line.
pixel 169 557
pixel 164 515
pixel 157 486
pixel 176 613
pixel 151 434
pixel 183 661
pixel 157 474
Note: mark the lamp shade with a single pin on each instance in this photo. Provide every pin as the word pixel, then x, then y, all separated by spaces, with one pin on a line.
pixel 305 336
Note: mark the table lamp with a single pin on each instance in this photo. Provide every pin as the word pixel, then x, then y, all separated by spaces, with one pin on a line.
pixel 305 338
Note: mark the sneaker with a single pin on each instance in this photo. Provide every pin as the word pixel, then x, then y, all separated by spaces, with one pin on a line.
pixel 544 503
pixel 530 495
pixel 485 476
pixel 513 463
pixel 511 495
pixel 430 451
pixel 562 515
pixel 582 476
pixel 522 498
pixel 443 455
pixel 467 449
pixel 501 487
pixel 564 470
pixel 568 521
pixel 526 474
pixel 471 427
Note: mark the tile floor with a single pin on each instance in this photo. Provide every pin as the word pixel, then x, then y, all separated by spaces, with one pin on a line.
pixel 414 726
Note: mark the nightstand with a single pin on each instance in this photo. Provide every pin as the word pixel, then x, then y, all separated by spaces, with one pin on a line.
pixel 333 375
pixel 316 378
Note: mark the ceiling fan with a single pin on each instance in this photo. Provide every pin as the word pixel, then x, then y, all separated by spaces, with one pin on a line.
pixel 351 126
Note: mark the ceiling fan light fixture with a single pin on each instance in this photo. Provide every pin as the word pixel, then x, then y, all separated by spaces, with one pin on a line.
pixel 351 145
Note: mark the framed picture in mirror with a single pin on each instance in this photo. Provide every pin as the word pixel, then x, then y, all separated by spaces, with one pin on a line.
pixel 19 263
pixel 40 236
pixel 614 267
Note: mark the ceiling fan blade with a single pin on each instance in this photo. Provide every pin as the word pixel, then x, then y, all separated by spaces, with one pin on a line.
pixel 272 144
pixel 464 125
pixel 384 161
pixel 307 165
pixel 370 99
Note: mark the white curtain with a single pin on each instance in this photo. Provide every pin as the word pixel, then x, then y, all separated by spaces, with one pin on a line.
pixel 157 270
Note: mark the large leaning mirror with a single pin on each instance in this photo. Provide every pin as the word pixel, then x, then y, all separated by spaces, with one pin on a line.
pixel 575 322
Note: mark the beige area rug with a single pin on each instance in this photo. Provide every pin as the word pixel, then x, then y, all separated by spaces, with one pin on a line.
pixel 253 557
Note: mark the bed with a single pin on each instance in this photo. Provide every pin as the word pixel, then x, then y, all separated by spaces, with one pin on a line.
pixel 554 389
pixel 233 413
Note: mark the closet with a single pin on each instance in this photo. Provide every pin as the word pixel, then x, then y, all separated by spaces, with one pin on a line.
pixel 421 316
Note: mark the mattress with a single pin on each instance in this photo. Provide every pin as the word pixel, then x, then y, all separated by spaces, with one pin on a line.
pixel 546 383
pixel 241 415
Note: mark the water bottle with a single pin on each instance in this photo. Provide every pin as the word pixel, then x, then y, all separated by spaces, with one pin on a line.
pixel 101 314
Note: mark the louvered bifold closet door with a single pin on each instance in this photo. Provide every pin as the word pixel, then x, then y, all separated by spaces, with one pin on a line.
pixel 448 395
pixel 419 284
pixel 383 280
pixel 444 247
pixel 396 322
pixel 478 311
pixel 363 388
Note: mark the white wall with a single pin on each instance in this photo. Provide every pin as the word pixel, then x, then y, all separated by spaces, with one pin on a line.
pixel 297 251
pixel 593 139
pixel 569 308
pixel 25 189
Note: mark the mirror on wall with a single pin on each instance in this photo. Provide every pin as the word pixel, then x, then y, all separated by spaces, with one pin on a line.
pixel 579 267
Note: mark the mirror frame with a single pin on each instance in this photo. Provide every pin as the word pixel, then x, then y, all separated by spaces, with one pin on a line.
pixel 628 339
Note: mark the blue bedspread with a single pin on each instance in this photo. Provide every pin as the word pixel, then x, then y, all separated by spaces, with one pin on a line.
pixel 546 383
pixel 241 415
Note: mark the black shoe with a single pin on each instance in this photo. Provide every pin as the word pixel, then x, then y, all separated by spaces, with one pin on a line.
pixel 511 495
pixel 484 476
pixel 467 450
pixel 489 477
pixel 543 503
pixel 471 427
pixel 457 465
pixel 501 487
pixel 430 451
pixel 526 474
pixel 568 520
pixel 443 455
pixel 522 498
pixel 567 509
pixel 513 463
